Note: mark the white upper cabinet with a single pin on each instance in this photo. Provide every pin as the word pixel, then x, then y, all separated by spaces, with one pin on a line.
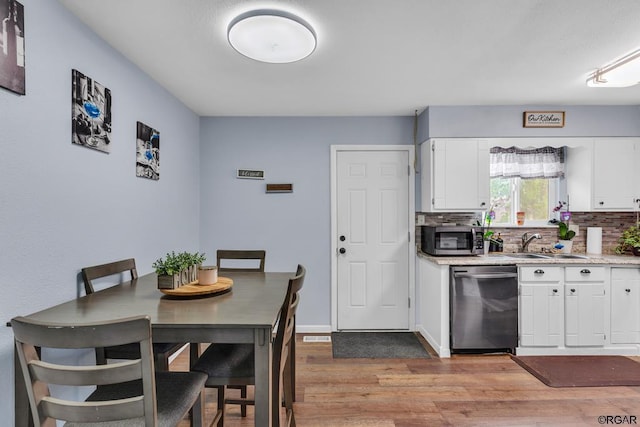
pixel 455 174
pixel 616 174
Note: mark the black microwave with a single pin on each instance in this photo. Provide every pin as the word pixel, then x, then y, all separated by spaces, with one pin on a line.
pixel 452 240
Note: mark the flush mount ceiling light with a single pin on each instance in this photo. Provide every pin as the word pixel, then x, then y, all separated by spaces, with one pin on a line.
pixel 623 72
pixel 273 36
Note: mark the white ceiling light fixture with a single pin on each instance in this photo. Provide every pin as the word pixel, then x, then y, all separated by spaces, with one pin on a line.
pixel 623 72
pixel 273 36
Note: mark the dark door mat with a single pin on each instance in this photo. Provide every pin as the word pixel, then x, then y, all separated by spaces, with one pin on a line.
pixel 582 371
pixel 382 345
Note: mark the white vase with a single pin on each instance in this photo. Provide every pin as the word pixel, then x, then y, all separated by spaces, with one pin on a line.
pixel 567 246
pixel 486 247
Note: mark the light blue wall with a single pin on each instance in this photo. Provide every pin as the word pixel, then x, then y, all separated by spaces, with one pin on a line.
pixel 506 121
pixel 293 227
pixel 62 206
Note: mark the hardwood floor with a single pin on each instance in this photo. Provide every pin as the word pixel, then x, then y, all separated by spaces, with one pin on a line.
pixel 465 390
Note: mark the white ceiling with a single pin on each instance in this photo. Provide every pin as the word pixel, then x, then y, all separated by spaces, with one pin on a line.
pixel 377 57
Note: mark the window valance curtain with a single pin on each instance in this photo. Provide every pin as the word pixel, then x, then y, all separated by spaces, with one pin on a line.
pixel 527 163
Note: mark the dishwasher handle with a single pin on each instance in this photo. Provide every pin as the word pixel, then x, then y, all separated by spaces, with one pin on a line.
pixel 486 275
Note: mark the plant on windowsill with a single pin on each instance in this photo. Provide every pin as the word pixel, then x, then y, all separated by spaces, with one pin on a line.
pixel 629 241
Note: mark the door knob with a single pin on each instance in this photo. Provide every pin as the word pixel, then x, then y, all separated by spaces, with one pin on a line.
pixel 342 238
pixel 342 250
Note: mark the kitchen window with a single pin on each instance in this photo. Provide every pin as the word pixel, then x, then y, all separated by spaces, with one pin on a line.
pixel 536 197
pixel 525 180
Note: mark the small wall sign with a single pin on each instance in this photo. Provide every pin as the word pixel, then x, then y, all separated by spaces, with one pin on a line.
pixel 543 119
pixel 279 188
pixel 249 174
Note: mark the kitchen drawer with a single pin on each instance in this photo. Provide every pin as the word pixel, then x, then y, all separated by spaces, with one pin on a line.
pixel 540 273
pixel 584 273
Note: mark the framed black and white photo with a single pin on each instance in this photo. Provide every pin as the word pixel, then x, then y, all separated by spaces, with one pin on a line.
pixel 12 46
pixel 147 152
pixel 90 112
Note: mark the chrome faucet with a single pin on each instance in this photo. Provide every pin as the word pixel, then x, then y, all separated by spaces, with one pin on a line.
pixel 526 239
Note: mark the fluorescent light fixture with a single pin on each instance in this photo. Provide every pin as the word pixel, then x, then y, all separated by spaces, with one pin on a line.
pixel 273 36
pixel 623 72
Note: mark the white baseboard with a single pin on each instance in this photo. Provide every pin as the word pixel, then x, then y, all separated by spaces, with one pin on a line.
pixel 442 352
pixel 313 329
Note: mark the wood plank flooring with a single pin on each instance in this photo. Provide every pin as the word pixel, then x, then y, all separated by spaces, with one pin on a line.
pixel 465 390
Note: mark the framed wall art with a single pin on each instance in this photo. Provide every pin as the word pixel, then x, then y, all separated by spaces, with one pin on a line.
pixel 12 46
pixel 90 112
pixel 147 152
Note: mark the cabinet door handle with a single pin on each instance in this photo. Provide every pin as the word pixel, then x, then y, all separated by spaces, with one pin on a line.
pixel 482 204
pixel 601 203
pixel 628 291
pixel 555 291
pixel 585 271
pixel 538 271
pixel 573 291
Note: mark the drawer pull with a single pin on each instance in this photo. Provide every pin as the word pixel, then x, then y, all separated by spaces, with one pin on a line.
pixel 585 271
pixel 538 271
pixel 628 291
pixel 573 290
pixel 555 291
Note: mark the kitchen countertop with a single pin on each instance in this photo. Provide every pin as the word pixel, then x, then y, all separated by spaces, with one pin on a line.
pixel 503 258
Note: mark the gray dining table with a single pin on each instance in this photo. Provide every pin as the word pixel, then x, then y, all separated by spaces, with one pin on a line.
pixel 245 314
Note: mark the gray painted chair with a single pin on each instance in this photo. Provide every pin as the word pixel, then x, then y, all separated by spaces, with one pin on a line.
pixel 161 351
pixel 128 393
pixel 242 255
pixel 233 364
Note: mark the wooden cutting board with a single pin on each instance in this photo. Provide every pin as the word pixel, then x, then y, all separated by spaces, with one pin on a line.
pixel 195 289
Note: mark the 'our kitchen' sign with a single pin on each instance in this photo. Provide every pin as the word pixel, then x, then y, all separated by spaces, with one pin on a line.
pixel 543 119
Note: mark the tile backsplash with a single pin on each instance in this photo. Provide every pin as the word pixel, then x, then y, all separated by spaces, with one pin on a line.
pixel 612 224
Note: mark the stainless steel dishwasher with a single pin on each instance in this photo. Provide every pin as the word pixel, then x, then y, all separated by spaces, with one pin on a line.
pixel 484 309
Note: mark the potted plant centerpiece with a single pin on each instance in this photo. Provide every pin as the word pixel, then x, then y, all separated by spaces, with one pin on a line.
pixel 176 270
pixel 629 241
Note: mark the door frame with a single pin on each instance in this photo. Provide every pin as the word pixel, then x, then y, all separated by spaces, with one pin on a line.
pixel 410 150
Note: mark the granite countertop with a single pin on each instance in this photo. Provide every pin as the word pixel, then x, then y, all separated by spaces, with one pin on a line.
pixel 503 258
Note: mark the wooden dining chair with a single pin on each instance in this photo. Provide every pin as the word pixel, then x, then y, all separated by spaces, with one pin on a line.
pixel 236 255
pixel 252 256
pixel 127 393
pixel 233 364
pixel 161 351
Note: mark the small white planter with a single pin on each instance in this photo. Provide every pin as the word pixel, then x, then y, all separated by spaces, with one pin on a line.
pixel 567 246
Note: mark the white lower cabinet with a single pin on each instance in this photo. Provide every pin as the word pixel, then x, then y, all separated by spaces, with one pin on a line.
pixel 625 305
pixel 585 306
pixel 579 309
pixel 541 306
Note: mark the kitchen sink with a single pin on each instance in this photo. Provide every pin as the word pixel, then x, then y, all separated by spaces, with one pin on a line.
pixel 570 256
pixel 528 256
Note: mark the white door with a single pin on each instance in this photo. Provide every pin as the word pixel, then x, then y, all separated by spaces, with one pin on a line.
pixel 372 239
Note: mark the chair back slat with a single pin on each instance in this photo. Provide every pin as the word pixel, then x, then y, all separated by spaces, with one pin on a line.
pixel 246 255
pixel 65 335
pixel 38 375
pixel 104 270
pixel 93 412
pixel 119 372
